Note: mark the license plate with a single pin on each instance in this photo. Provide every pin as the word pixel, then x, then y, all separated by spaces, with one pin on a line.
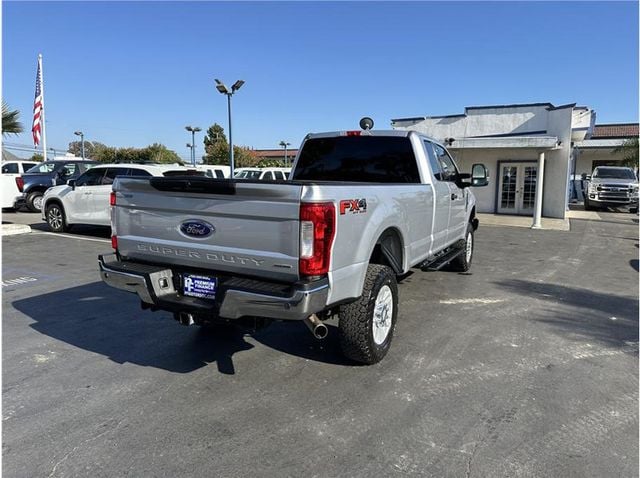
pixel 199 286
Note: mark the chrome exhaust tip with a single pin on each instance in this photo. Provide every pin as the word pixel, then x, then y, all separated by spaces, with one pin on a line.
pixel 317 328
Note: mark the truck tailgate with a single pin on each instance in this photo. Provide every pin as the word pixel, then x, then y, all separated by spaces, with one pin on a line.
pixel 232 226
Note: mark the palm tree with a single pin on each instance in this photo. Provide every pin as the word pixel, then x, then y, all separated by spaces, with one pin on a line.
pixel 629 149
pixel 10 123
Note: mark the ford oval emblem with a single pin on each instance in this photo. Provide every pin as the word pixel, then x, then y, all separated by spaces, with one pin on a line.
pixel 196 229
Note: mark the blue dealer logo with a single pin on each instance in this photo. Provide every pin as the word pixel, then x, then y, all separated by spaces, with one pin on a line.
pixel 196 229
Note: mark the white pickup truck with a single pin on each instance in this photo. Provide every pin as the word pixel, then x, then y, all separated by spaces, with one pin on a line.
pixel 360 209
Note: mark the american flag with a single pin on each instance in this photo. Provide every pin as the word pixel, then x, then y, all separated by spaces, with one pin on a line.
pixel 37 108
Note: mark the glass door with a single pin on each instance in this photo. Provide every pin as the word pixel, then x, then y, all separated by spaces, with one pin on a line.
pixel 517 188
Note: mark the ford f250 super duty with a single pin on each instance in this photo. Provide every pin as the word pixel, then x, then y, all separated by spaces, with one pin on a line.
pixel 360 209
pixel 612 186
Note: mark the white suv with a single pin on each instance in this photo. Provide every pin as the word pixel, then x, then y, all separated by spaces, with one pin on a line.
pixel 86 200
pixel 262 174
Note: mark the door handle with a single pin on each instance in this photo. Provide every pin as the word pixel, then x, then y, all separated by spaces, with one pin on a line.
pixel 454 196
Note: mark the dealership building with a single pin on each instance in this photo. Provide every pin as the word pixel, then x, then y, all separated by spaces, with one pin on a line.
pixel 529 149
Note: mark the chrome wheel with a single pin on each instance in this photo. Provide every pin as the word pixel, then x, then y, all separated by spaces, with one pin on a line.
pixel 382 315
pixel 37 203
pixel 55 218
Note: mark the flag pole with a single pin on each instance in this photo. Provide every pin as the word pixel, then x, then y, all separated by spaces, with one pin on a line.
pixel 44 126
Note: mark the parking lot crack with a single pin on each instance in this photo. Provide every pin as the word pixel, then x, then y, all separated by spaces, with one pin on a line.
pixel 80 445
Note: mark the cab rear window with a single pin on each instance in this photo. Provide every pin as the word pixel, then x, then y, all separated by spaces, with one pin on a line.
pixel 367 159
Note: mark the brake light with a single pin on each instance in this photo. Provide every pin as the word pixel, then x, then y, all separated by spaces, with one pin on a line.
pixel 114 242
pixel 112 199
pixel 353 133
pixel 317 231
pixel 20 183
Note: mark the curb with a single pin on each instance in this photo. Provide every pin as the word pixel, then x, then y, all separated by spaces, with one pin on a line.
pixel 13 229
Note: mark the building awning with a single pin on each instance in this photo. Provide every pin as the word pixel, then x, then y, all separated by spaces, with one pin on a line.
pixel 599 143
pixel 511 142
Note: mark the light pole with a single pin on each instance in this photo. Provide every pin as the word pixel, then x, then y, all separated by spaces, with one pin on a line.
pixel 54 152
pixel 284 144
pixel 223 89
pixel 194 130
pixel 81 134
pixel 191 152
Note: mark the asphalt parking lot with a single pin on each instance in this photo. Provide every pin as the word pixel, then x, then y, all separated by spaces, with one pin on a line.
pixel 526 367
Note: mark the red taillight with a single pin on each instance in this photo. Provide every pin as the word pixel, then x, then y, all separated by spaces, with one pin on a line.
pixel 20 184
pixel 317 230
pixel 353 133
pixel 112 199
pixel 114 242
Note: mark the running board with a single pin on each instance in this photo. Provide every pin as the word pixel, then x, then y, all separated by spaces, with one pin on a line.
pixel 442 260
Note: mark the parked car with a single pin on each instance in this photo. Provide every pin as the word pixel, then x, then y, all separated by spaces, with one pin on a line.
pixel 262 174
pixel 361 208
pixel 214 170
pixel 12 197
pixel 50 173
pixel 612 186
pixel 85 200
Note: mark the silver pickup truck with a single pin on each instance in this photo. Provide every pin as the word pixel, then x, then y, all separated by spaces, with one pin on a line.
pixel 360 209
pixel 612 186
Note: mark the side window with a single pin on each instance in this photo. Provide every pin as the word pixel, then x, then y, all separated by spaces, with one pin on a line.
pixel 141 173
pixel 279 175
pixel 433 162
pixel 449 170
pixel 28 166
pixel 93 177
pixel 68 170
pixel 268 176
pixel 10 168
pixel 84 167
pixel 219 174
pixel 111 174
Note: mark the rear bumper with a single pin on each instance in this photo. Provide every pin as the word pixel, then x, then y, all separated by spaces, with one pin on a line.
pixel 158 287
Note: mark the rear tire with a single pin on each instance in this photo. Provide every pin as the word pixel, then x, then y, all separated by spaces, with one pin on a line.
pixel 34 201
pixel 366 326
pixel 56 218
pixel 462 263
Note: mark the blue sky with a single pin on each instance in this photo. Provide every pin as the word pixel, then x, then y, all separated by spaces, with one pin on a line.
pixel 130 74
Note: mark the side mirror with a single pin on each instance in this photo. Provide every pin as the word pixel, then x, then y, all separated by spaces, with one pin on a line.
pixel 72 183
pixel 586 177
pixel 479 175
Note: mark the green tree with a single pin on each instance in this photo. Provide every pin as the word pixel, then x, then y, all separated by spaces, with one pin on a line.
pixel 10 120
pixel 271 163
pixel 216 146
pixel 90 148
pixel 629 150
pixel 36 157
pixel 159 153
pixel 244 157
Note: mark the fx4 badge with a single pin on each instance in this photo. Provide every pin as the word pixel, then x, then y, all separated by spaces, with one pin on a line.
pixel 355 206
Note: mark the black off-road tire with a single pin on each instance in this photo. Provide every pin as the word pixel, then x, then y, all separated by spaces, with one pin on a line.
pixel 462 263
pixel 587 205
pixel 56 218
pixel 633 210
pixel 356 324
pixel 33 199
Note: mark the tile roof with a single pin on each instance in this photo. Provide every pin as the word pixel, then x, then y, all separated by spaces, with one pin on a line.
pixel 275 153
pixel 620 130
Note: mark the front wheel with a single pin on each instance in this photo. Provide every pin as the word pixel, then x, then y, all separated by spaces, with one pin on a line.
pixel 587 205
pixel 366 326
pixel 55 218
pixel 462 263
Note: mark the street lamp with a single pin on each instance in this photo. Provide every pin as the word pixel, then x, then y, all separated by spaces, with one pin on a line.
pixel 223 89
pixel 81 134
pixel 284 144
pixel 54 152
pixel 194 130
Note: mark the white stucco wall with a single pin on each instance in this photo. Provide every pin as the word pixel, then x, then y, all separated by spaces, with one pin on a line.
pixel 566 123
pixel 486 196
